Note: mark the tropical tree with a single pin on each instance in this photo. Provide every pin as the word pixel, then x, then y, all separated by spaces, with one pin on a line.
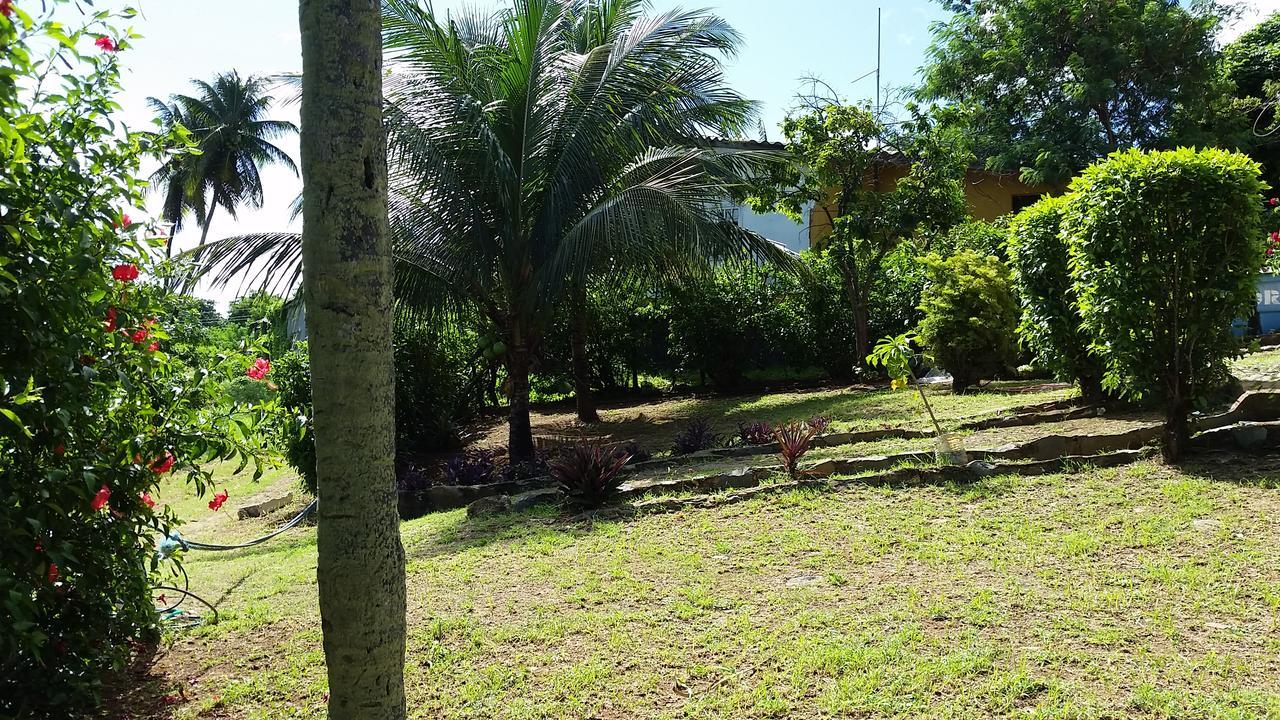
pixel 1045 87
pixel 228 119
pixel 348 291
pixel 840 156
pixel 519 164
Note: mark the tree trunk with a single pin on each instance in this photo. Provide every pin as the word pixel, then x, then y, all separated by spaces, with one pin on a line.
pixel 582 397
pixel 861 326
pixel 1091 390
pixel 208 220
pixel 1177 429
pixel 347 253
pixel 519 429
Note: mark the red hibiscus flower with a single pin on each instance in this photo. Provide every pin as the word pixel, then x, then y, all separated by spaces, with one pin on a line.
pixel 147 500
pixel 162 464
pixel 139 335
pixel 259 369
pixel 125 222
pixel 60 449
pixel 111 319
pixel 88 360
pixel 153 347
pixel 125 272
pixel 106 44
pixel 219 498
pixel 53 573
pixel 100 499
pixel 6 7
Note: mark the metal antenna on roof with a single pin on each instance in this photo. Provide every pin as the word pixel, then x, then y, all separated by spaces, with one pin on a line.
pixel 877 63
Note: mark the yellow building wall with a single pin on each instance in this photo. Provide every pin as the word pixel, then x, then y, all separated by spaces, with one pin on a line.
pixel 989 195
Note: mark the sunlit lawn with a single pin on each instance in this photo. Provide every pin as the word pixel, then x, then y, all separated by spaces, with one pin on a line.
pixel 1139 592
pixel 1265 361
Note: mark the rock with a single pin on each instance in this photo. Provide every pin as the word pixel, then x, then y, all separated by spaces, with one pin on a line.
pixel 800 581
pixel 1205 524
pixel 526 500
pixel 495 505
pixel 982 468
pixel 262 507
pixel 1249 436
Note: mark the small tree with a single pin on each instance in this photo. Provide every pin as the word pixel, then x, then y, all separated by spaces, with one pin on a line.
pixel 969 317
pixel 838 154
pixel 1165 248
pixel 1051 322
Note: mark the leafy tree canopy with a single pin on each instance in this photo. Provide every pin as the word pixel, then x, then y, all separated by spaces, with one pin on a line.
pixel 1048 86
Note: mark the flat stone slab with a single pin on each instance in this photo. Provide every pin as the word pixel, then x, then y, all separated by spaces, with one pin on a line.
pixel 263 507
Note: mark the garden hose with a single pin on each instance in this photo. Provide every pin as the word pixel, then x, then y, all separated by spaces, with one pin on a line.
pixel 174 541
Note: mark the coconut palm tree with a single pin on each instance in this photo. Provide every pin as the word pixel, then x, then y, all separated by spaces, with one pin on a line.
pixel 228 121
pixel 360 560
pixel 533 146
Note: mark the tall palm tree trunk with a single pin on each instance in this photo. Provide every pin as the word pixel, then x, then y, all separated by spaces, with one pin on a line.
pixel 519 427
pixel 208 220
pixel 347 284
pixel 586 403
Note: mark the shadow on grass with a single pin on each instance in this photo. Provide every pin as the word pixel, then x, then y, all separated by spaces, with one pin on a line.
pixel 1256 470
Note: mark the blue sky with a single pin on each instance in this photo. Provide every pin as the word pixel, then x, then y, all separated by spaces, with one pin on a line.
pixel 784 41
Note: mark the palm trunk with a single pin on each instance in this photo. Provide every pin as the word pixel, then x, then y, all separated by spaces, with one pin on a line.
pixel 347 284
pixel 586 404
pixel 208 220
pixel 519 429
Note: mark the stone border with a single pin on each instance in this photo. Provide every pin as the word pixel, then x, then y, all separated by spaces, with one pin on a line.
pixel 1250 407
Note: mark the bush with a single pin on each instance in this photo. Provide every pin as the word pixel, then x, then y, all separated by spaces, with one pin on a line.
pixel 969 317
pixel 696 434
pixel 979 236
pixel 1166 248
pixel 1051 326
pixel 756 433
pixel 473 467
pixel 243 390
pixel 94 410
pixel 292 375
pixel 588 474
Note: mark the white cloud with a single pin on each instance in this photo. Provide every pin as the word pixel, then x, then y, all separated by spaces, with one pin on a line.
pixel 1252 13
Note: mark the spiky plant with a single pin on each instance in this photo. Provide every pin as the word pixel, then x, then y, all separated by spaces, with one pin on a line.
pixel 588 474
pixel 794 439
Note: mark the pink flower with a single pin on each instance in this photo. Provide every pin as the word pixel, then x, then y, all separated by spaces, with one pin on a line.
pixel 219 498
pixel 139 335
pixel 100 499
pixel 111 319
pixel 153 346
pixel 259 369
pixel 125 272
pixel 106 44
pixel 162 464
pixel 125 222
pixel 147 500
pixel 6 7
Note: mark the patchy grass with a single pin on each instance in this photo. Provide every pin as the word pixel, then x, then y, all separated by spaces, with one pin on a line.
pixel 654 424
pixel 1268 361
pixel 1145 591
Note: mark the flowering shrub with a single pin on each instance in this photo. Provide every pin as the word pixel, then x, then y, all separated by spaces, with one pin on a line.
pixel 94 411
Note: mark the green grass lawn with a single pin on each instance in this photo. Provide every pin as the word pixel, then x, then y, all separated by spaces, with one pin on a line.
pixel 1261 361
pixel 1144 591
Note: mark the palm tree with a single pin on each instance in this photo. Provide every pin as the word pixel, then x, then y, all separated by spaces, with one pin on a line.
pixel 228 121
pixel 533 146
pixel 348 290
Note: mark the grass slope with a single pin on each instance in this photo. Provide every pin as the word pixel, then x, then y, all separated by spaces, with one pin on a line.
pixel 1144 591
